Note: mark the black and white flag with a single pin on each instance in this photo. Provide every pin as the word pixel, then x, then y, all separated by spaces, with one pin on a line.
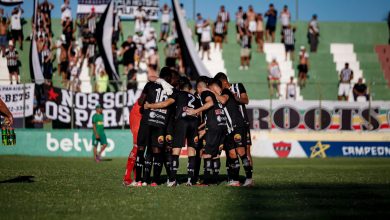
pixel 35 66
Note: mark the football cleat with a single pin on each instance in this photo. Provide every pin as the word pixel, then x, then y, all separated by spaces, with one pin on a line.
pixel 171 184
pixel 138 184
pixel 249 183
pixel 233 183
pixel 154 184
pixel 144 184
pixel 127 183
pixel 189 183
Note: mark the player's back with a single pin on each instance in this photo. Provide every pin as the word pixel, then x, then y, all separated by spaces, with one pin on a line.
pixel 185 100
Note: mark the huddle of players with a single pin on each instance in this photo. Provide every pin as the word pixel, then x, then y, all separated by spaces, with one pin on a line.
pixel 209 121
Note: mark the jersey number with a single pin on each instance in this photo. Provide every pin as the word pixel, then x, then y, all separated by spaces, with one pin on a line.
pixel 161 96
pixel 191 101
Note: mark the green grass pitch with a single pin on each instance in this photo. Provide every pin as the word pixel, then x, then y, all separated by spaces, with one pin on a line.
pixel 54 188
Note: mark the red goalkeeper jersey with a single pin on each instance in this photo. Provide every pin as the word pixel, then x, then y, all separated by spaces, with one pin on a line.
pixel 135 118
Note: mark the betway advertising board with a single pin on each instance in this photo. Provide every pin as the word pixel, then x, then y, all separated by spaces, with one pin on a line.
pixel 67 143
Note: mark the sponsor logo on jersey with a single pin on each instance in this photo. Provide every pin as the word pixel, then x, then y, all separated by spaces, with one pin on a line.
pixel 196 139
pixel 237 138
pixel 168 139
pixel 160 139
pixel 282 149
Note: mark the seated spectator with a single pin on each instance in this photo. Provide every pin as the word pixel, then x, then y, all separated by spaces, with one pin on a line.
pixel 291 90
pixel 360 90
pixel 346 75
pixel 246 41
pixel 274 76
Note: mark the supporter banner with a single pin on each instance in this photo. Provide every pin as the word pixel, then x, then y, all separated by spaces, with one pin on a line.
pixel 125 8
pixel 63 105
pixel 315 115
pixel 64 143
pixel 18 98
pixel 264 145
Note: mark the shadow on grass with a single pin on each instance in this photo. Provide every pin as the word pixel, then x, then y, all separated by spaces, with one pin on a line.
pixel 105 160
pixel 312 200
pixel 20 179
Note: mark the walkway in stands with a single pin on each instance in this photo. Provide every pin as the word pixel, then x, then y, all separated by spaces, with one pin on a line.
pixel 216 64
pixel 4 74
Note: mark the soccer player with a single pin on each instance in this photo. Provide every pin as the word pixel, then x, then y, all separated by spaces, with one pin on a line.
pixel 215 128
pixel 135 118
pixel 185 129
pixel 241 96
pixel 98 133
pixel 152 127
pixel 236 140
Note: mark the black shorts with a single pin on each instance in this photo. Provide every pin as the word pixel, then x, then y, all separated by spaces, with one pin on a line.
pixel 170 131
pixel 13 69
pixel 302 68
pixel 270 28
pixel 186 130
pixel 238 138
pixel 214 138
pixel 126 62
pixel 289 47
pixel 206 46
pixel 150 136
pixel 64 66
pixel 170 61
pixel 91 60
pixel 16 34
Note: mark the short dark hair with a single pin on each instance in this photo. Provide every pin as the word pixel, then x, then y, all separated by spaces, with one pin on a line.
pixel 165 73
pixel 215 82
pixel 184 83
pixel 271 5
pixel 203 79
pixel 221 76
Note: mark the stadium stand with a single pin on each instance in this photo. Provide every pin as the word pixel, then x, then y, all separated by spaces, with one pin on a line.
pixel 4 74
pixel 383 52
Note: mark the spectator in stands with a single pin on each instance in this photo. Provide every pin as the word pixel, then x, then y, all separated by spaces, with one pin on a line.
pixel 245 49
pixel 225 18
pixel 153 61
pixel 66 12
pixel 101 81
pixel 165 20
pixel 274 76
pixel 239 22
pixel 198 29
pixel 139 15
pixel 47 57
pixel 46 7
pixel 183 11
pixel 285 17
pixel 259 33
pixel 91 53
pixel 132 80
pixel 360 90
pixel 206 39
pixel 128 53
pixel 270 27
pixel 3 34
pixel 219 32
pixel 303 67
pixel 39 118
pixel 91 20
pixel 288 38
pixel 291 90
pixel 117 30
pixel 346 75
pixel 251 20
pixel 171 54
pixel 16 26
pixel 64 62
pixel 314 34
pixel 12 56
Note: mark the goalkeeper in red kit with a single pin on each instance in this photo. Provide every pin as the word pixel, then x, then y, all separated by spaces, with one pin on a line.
pixel 135 118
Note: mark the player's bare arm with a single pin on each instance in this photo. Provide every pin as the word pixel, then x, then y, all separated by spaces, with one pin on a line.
pixel 95 132
pixel 209 103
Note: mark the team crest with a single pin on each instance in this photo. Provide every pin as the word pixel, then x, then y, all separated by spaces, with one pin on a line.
pixel 237 138
pixel 160 139
pixel 282 149
pixel 168 139
pixel 196 139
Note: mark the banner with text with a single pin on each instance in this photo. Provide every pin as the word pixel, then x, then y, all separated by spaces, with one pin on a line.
pixel 315 115
pixel 66 143
pixel 18 98
pixel 63 106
